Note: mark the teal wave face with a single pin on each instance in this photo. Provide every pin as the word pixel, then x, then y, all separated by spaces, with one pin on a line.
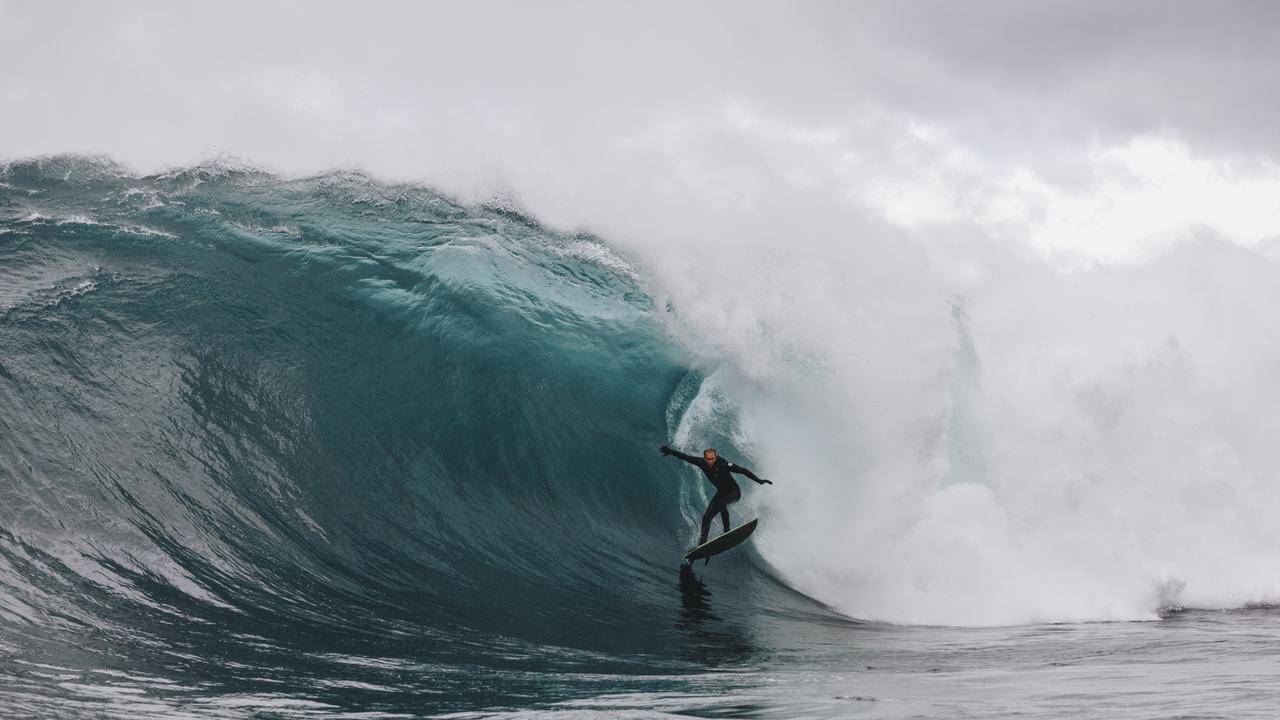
pixel 331 411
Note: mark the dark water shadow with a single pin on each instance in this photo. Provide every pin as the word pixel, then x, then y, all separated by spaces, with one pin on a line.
pixel 704 636
pixel 695 600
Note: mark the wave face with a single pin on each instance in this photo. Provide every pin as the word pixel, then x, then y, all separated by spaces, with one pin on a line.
pixel 389 451
pixel 247 420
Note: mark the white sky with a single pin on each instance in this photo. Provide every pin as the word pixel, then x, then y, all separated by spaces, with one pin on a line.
pixel 1088 129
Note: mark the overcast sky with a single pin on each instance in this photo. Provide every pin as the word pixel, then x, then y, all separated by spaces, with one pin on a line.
pixel 1098 128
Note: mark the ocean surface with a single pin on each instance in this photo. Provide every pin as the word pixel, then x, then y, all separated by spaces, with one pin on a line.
pixel 331 448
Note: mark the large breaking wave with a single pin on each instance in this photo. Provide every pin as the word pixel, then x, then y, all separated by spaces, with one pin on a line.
pixel 327 410
pixel 235 406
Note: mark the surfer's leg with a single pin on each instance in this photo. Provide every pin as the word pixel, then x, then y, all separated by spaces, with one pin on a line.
pixel 724 508
pixel 715 507
pixel 706 521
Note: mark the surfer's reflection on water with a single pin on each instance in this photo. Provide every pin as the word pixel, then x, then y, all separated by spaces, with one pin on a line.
pixel 695 599
pixel 705 637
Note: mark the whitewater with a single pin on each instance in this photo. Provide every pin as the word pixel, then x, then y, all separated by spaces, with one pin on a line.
pixel 327 446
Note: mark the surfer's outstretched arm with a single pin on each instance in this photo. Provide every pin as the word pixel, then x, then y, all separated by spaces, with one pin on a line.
pixel 743 471
pixel 687 458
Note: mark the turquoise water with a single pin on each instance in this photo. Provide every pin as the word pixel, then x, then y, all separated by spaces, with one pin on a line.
pixel 326 447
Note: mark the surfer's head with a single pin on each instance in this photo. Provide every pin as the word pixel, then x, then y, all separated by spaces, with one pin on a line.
pixel 709 455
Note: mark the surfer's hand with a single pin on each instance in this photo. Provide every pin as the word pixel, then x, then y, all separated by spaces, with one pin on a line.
pixel 664 450
pixel 762 481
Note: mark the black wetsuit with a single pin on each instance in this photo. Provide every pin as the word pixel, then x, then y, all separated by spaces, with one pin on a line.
pixel 727 490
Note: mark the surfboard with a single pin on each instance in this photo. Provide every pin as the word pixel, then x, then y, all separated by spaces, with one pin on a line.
pixel 720 543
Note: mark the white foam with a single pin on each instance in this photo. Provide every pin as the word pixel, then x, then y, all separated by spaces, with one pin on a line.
pixel 1116 430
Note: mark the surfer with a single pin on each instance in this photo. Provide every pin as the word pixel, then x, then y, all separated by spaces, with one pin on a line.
pixel 720 472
